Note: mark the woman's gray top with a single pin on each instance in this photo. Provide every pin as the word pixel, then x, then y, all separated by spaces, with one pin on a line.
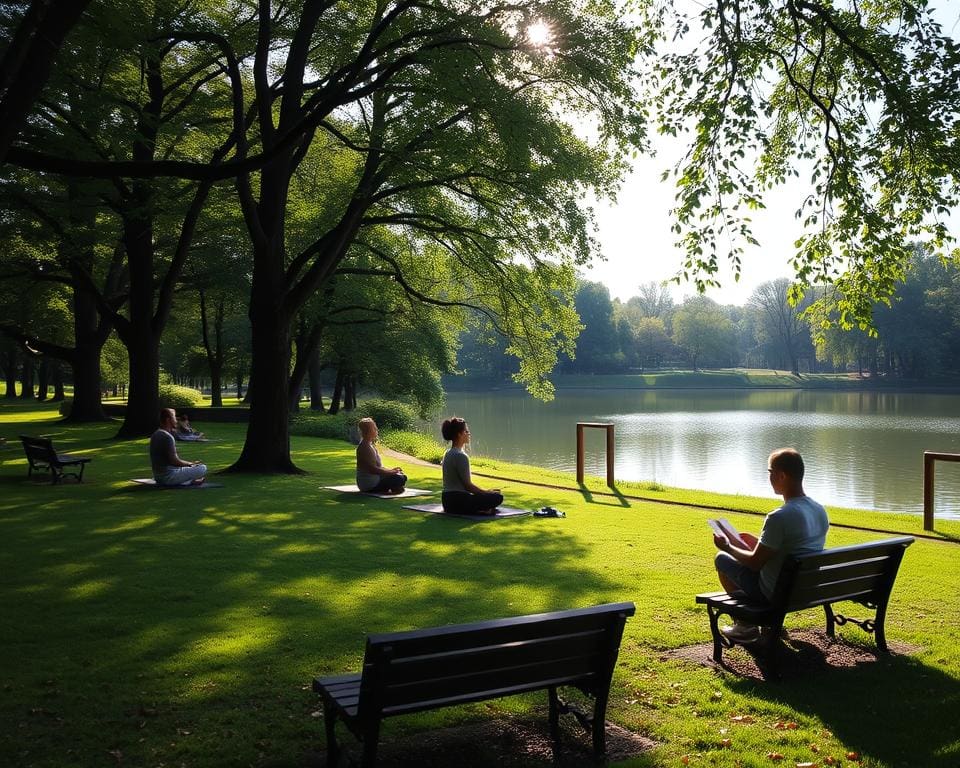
pixel 456 470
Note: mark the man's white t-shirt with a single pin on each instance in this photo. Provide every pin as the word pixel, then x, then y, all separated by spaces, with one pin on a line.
pixel 796 528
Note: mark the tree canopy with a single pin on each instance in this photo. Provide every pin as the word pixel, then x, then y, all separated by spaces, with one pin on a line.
pixel 862 99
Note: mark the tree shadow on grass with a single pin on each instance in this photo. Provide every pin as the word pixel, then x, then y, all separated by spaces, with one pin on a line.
pixel 185 627
pixel 889 707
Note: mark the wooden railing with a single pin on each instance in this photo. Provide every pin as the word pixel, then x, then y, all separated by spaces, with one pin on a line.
pixel 581 425
pixel 929 457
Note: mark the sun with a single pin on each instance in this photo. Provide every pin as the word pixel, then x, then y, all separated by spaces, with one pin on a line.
pixel 539 34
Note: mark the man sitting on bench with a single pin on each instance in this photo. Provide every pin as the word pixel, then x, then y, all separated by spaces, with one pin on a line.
pixel 797 527
pixel 168 467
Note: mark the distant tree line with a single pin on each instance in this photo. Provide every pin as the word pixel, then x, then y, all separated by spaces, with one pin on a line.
pixel 917 334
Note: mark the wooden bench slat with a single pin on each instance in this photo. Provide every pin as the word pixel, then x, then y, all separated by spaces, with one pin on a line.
pixel 493 657
pixel 483 682
pixel 878 567
pixel 468 698
pixel 850 589
pixel 453 637
pixel 413 671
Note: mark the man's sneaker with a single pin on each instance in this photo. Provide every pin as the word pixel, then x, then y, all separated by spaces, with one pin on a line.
pixel 741 632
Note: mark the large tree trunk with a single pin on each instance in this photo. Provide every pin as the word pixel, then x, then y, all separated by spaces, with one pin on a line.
pixel 57 373
pixel 350 393
pixel 87 405
pixel 26 378
pixel 306 343
pixel 315 367
pixel 10 372
pixel 43 380
pixel 143 346
pixel 267 444
pixel 337 392
pixel 90 333
pixel 143 401
pixel 214 350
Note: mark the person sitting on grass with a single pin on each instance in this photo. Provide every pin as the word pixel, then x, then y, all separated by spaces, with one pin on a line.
pixel 168 467
pixel 372 476
pixel 184 430
pixel 460 496
pixel 796 527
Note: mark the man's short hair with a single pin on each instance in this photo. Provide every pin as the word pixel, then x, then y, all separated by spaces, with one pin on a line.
pixel 365 425
pixel 788 461
pixel 166 413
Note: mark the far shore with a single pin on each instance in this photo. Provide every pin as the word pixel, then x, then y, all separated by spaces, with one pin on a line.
pixel 717 379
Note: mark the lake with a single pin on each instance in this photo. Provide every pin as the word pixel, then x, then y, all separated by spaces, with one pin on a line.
pixel 862 449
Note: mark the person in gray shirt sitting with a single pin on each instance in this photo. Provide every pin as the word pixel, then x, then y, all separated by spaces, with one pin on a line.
pixel 460 496
pixel 372 476
pixel 168 467
pixel 796 527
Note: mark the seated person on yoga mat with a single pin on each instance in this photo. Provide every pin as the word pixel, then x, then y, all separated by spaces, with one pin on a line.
pixel 460 496
pixel 185 431
pixel 796 527
pixel 168 467
pixel 372 476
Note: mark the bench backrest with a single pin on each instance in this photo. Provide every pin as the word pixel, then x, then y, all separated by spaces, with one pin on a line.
pixel 431 668
pixel 863 572
pixel 38 448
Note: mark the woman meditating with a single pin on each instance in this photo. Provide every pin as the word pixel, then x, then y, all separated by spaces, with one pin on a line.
pixel 372 476
pixel 460 496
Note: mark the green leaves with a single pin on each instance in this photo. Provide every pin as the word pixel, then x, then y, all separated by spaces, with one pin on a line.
pixel 862 99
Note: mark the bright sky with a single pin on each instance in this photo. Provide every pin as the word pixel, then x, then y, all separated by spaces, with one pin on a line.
pixel 635 234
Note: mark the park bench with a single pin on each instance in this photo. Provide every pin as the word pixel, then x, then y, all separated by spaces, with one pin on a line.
pixel 861 573
pixel 43 457
pixel 406 672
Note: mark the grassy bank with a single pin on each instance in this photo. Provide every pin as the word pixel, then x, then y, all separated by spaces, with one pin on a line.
pixel 183 627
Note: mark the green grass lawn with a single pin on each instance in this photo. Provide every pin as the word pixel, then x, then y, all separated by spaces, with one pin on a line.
pixel 150 628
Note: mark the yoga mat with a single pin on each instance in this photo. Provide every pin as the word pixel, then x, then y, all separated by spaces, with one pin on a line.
pixel 407 493
pixel 149 482
pixel 501 513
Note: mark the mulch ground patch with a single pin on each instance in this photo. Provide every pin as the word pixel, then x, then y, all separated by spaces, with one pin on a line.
pixel 500 743
pixel 804 652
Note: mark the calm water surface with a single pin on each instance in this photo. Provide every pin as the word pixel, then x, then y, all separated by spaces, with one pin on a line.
pixel 862 449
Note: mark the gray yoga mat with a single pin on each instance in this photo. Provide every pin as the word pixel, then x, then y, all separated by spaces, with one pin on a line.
pixel 407 492
pixel 501 514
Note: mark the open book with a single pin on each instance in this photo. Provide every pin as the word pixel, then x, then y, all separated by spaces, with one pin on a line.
pixel 723 528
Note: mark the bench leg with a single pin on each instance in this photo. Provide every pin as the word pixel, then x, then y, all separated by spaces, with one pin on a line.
pixel 718 639
pixel 554 717
pixel 879 633
pixel 774 646
pixel 371 735
pixel 831 620
pixel 599 732
pixel 330 725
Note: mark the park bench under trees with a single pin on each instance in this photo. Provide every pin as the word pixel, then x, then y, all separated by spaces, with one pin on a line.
pixel 861 573
pixel 43 457
pixel 406 672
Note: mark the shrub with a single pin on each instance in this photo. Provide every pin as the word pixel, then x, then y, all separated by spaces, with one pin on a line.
pixel 414 444
pixel 317 424
pixel 390 415
pixel 173 396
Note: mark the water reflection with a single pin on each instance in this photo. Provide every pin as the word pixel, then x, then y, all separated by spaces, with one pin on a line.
pixel 863 449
